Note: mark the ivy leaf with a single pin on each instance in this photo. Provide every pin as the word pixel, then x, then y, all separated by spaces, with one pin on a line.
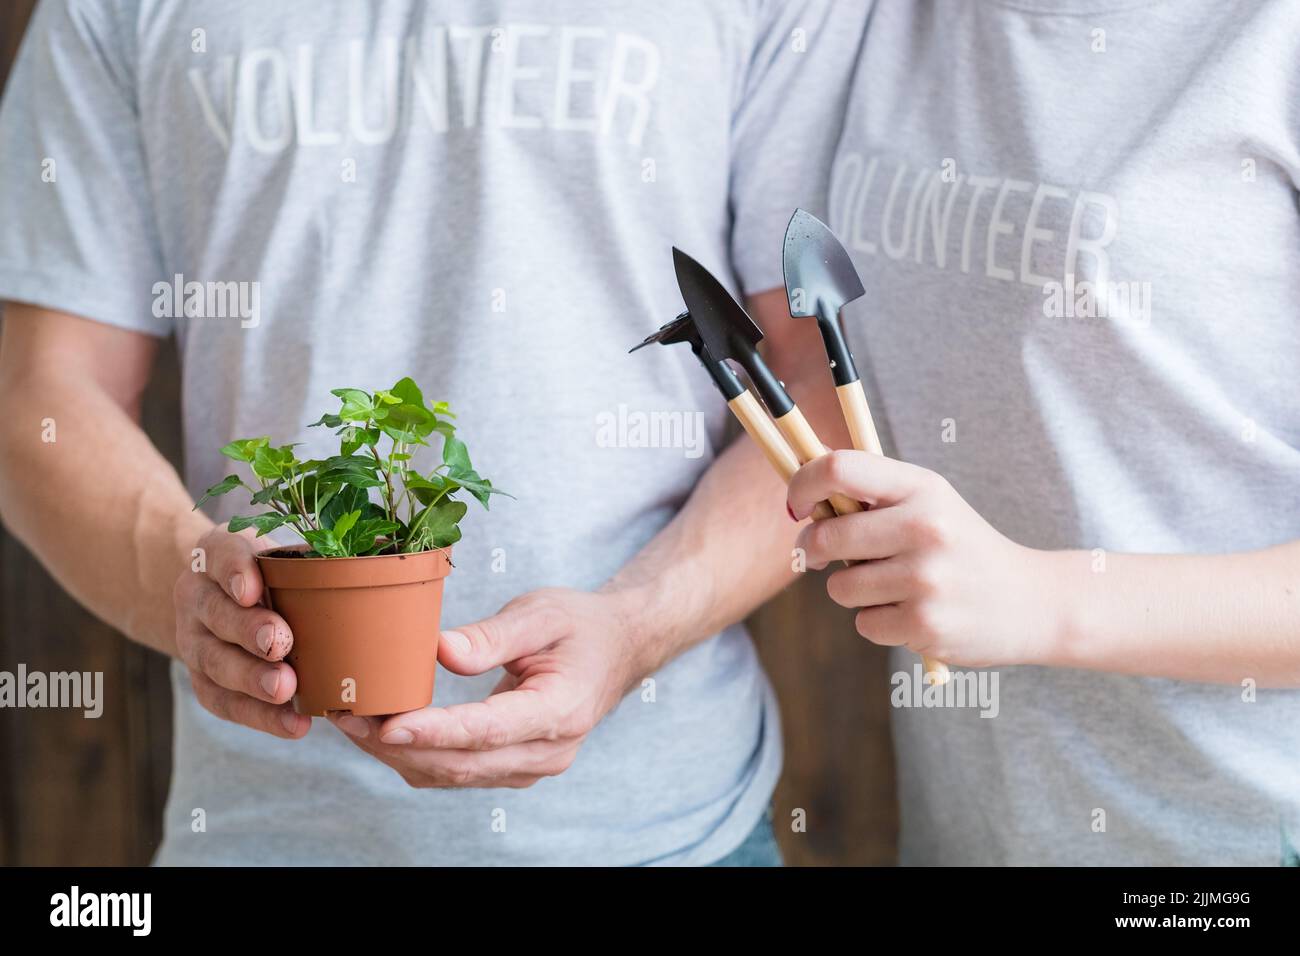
pixel 271 462
pixel 354 438
pixel 324 543
pixel 480 488
pixel 228 483
pixel 349 498
pixel 328 419
pixel 427 490
pixel 415 419
pixel 350 463
pixel 455 454
pixel 409 413
pixel 404 434
pixel 408 392
pixel 263 522
pixel 242 449
pixel 358 406
pixel 356 479
pixel 358 470
pixel 344 524
pixel 272 492
pixel 366 537
pixel 438 526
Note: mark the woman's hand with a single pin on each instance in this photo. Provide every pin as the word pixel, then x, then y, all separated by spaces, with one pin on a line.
pixel 935 577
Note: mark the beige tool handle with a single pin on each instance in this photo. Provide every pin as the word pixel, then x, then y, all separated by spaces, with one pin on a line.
pixel 853 402
pixel 808 446
pixel 760 428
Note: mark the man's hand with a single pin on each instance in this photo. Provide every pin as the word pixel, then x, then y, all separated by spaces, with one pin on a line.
pixel 569 659
pixel 935 577
pixel 235 649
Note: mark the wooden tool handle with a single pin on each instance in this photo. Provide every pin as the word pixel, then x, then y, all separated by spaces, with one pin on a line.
pixel 759 427
pixel 853 402
pixel 808 446
pixel 823 511
pixel 936 672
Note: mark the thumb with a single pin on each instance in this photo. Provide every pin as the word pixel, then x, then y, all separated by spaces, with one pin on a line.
pixel 522 627
pixel 232 564
pixel 859 475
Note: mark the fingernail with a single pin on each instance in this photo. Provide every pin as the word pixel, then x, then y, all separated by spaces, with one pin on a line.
pixel 270 681
pixel 354 726
pixel 790 512
pixel 458 641
pixel 398 736
pixel 237 586
pixel 265 637
pixel 290 721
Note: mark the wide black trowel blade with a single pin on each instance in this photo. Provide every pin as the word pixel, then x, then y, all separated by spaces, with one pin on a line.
pixel 818 269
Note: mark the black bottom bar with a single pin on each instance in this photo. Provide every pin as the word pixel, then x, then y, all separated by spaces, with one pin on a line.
pixel 267 908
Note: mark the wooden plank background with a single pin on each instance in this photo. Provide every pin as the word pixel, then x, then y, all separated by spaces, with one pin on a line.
pixel 90 792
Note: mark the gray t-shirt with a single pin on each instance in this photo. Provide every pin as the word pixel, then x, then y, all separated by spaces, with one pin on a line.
pixel 482 196
pixel 990 151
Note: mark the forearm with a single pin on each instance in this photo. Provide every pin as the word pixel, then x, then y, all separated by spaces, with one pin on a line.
pixel 726 552
pixel 98 505
pixel 1212 618
pixel 731 547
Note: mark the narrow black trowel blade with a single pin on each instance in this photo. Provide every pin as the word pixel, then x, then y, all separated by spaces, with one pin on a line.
pixel 727 329
pixel 817 268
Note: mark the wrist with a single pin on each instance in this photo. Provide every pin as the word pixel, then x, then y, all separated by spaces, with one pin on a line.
pixel 186 530
pixel 628 610
pixel 1061 580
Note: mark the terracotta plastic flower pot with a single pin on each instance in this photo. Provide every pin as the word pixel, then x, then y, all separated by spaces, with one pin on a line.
pixel 365 630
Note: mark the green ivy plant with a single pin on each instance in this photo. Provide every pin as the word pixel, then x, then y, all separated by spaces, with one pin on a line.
pixel 328 501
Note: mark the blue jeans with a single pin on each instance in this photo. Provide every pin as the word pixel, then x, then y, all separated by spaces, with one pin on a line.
pixel 759 848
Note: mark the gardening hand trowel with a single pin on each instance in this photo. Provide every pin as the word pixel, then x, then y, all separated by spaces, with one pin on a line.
pixel 739 399
pixel 729 333
pixel 819 281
